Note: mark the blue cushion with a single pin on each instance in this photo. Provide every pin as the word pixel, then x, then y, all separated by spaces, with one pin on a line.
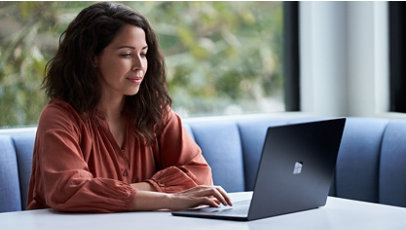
pixel 10 199
pixel 221 146
pixel 358 159
pixel 24 145
pixel 392 186
pixel 253 136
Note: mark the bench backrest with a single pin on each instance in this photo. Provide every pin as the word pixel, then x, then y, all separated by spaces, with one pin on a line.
pixel 370 165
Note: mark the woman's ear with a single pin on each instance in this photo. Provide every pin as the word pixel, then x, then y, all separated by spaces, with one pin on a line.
pixel 95 61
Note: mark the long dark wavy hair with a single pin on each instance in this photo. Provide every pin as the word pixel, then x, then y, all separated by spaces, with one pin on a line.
pixel 71 74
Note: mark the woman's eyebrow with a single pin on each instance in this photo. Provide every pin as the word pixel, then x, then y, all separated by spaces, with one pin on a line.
pixel 131 47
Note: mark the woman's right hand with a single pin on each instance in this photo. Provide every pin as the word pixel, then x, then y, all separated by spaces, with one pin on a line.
pixel 200 195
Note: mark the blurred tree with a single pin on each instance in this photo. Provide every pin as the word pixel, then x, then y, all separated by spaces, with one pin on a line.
pixel 222 57
pixel 28 39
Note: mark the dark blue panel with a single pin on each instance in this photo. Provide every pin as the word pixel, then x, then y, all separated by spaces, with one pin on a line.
pixel 358 160
pixel 252 137
pixel 392 186
pixel 24 145
pixel 10 199
pixel 221 146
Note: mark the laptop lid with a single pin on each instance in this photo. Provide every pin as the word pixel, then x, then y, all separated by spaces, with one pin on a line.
pixel 296 167
pixel 295 170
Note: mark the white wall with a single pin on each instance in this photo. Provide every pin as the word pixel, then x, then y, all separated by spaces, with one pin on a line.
pixel 323 45
pixel 344 58
pixel 368 76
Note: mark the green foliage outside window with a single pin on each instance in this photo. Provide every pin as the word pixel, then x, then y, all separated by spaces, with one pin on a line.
pixel 221 57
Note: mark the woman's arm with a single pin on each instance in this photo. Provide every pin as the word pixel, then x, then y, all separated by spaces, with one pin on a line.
pixel 143 186
pixel 184 180
pixel 179 159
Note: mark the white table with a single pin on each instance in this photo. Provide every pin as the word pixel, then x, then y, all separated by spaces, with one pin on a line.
pixel 337 214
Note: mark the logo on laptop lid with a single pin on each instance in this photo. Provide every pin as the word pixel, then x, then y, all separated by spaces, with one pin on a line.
pixel 298 167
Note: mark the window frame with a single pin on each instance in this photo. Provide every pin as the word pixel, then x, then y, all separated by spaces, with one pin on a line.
pixel 291 58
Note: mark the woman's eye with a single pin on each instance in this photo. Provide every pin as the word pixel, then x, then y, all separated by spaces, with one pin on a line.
pixel 126 55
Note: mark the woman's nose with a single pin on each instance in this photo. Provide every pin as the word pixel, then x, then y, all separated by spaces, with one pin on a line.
pixel 137 62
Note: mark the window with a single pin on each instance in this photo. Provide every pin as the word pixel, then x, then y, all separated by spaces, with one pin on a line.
pixel 221 57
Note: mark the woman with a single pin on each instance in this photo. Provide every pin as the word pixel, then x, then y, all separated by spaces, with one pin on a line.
pixel 108 140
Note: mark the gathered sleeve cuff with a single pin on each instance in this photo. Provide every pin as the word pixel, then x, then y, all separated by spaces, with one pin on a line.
pixel 87 194
pixel 171 180
pixel 180 159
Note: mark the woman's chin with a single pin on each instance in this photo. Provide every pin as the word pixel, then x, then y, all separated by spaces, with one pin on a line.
pixel 133 92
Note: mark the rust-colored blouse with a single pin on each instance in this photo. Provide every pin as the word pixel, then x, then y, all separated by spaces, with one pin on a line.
pixel 79 167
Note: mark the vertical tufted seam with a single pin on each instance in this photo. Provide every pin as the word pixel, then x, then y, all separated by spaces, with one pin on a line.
pixel 23 144
pixel 357 172
pixel 379 163
pixel 243 155
pixel 393 186
pixel 19 172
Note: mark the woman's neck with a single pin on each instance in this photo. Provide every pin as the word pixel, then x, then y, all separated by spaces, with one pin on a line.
pixel 112 108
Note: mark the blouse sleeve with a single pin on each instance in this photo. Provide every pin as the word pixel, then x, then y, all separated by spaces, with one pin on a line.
pixel 66 180
pixel 180 159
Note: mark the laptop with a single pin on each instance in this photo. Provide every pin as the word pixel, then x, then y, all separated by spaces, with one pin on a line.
pixel 294 173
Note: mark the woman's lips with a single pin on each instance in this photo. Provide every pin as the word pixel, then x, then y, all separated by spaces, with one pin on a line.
pixel 135 80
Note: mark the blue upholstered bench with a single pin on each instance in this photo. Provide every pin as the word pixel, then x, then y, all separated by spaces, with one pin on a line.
pixel 371 164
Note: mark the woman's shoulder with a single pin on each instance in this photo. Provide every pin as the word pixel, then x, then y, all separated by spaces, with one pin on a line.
pixel 58 113
pixel 169 115
pixel 59 108
pixel 172 120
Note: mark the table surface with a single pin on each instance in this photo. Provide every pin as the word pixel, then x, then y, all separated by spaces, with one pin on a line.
pixel 337 214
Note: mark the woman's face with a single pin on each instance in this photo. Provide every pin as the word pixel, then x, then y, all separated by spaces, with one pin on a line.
pixel 123 63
